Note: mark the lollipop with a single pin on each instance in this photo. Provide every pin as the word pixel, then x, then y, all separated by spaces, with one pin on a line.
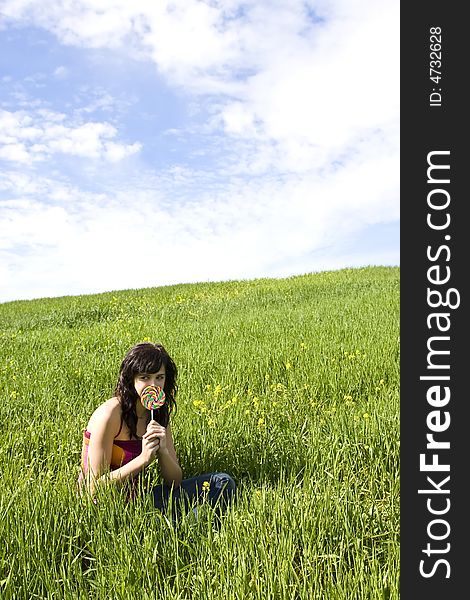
pixel 152 397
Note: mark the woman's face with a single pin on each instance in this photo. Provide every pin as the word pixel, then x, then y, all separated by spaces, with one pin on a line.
pixel 142 380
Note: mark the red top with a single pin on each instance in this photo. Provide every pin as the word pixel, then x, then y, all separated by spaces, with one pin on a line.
pixel 123 452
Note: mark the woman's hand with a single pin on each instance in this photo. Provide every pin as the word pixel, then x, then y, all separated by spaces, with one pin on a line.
pixel 153 440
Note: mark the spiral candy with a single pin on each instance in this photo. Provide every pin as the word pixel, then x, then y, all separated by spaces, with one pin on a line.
pixel 152 397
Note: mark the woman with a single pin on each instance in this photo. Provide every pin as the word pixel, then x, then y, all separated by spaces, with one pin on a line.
pixel 121 440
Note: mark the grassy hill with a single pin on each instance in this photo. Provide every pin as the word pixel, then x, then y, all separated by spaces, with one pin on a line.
pixel 291 386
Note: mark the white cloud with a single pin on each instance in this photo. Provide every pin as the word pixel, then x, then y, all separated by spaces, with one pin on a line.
pixel 61 72
pixel 12 151
pixel 278 75
pixel 35 136
pixel 302 133
pixel 83 242
pixel 99 100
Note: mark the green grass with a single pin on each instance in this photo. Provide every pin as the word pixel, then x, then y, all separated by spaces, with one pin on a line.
pixel 291 386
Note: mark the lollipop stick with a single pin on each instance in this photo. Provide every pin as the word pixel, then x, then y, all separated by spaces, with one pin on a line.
pixel 151 416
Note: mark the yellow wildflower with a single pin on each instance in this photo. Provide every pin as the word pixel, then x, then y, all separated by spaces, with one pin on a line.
pixel 199 404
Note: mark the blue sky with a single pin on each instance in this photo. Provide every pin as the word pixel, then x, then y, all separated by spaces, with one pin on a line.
pixel 148 143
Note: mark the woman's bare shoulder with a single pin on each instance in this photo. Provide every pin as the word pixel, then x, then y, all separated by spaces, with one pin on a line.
pixel 106 416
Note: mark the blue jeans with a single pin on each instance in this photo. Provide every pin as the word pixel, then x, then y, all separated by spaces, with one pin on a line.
pixel 217 489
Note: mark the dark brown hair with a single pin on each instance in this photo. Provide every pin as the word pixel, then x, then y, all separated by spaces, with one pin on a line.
pixel 145 358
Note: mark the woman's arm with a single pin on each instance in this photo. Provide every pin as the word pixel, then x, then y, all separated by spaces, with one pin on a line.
pixel 105 425
pixel 169 466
